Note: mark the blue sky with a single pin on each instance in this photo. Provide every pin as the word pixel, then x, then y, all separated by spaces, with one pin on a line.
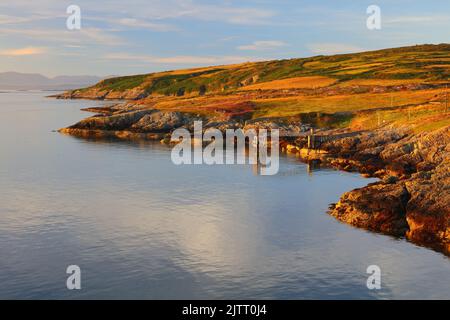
pixel 139 36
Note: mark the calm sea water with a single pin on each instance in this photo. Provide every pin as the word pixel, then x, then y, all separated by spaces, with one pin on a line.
pixel 140 227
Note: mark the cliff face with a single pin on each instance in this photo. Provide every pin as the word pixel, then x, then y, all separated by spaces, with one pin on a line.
pixel 413 199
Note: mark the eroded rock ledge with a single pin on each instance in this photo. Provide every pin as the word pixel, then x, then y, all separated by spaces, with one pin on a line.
pixel 413 197
pixel 132 121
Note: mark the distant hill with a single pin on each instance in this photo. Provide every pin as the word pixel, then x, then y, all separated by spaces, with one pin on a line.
pixel 34 81
pixel 422 63
pixel 357 90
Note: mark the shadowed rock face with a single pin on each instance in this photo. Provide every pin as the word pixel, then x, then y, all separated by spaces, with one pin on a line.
pixel 429 207
pixel 414 198
pixel 159 121
pixel 134 118
pixel 102 94
pixel 379 207
pixel 111 122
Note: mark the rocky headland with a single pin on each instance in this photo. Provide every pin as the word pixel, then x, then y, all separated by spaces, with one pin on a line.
pixel 368 113
pixel 411 199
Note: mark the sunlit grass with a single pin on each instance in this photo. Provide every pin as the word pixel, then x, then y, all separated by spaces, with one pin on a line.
pixel 427 63
pixel 340 103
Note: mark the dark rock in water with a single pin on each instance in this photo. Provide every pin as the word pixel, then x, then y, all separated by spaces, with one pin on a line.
pixel 378 207
pixel 113 122
pixel 128 117
pixel 413 200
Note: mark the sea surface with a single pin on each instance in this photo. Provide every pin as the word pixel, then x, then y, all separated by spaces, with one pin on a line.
pixel 139 226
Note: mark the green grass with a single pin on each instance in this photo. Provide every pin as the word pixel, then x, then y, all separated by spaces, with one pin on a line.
pixel 398 63
pixel 122 83
pixel 433 125
pixel 343 103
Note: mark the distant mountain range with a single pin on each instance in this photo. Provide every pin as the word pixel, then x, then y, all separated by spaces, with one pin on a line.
pixel 34 81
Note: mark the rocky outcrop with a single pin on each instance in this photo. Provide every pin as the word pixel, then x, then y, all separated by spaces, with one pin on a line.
pixel 95 93
pixel 413 199
pixel 141 118
pixel 164 121
pixel 108 134
pixel 428 211
pixel 121 121
pixel 145 124
pixel 377 207
pixel 287 127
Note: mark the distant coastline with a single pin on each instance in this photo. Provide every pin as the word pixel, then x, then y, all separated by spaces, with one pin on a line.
pixel 32 81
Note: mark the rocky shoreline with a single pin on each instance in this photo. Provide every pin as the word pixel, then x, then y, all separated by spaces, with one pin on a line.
pixel 411 200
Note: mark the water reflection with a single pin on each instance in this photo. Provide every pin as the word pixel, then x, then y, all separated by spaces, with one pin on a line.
pixel 141 227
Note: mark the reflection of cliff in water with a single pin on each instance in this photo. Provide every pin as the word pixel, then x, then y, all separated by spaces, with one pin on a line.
pixel 312 165
pixel 153 145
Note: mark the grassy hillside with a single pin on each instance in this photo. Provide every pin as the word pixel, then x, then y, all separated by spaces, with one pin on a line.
pixel 361 90
pixel 425 63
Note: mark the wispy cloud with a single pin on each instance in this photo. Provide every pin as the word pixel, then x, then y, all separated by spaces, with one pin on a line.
pixel 18 20
pixel 61 35
pixel 142 24
pixel 417 19
pixel 263 45
pixel 154 10
pixel 28 51
pixel 7 19
pixel 203 32
pixel 73 46
pixel 193 10
pixel 175 60
pixel 333 48
pixel 232 15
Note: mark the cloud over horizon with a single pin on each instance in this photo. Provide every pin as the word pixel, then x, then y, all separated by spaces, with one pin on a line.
pixel 28 51
pixel 263 45
pixel 181 60
pixel 120 37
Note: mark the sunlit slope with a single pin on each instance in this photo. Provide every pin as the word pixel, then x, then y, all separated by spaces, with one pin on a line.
pixel 416 64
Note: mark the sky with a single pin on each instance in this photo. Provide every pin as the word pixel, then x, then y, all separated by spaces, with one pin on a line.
pixel 119 37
